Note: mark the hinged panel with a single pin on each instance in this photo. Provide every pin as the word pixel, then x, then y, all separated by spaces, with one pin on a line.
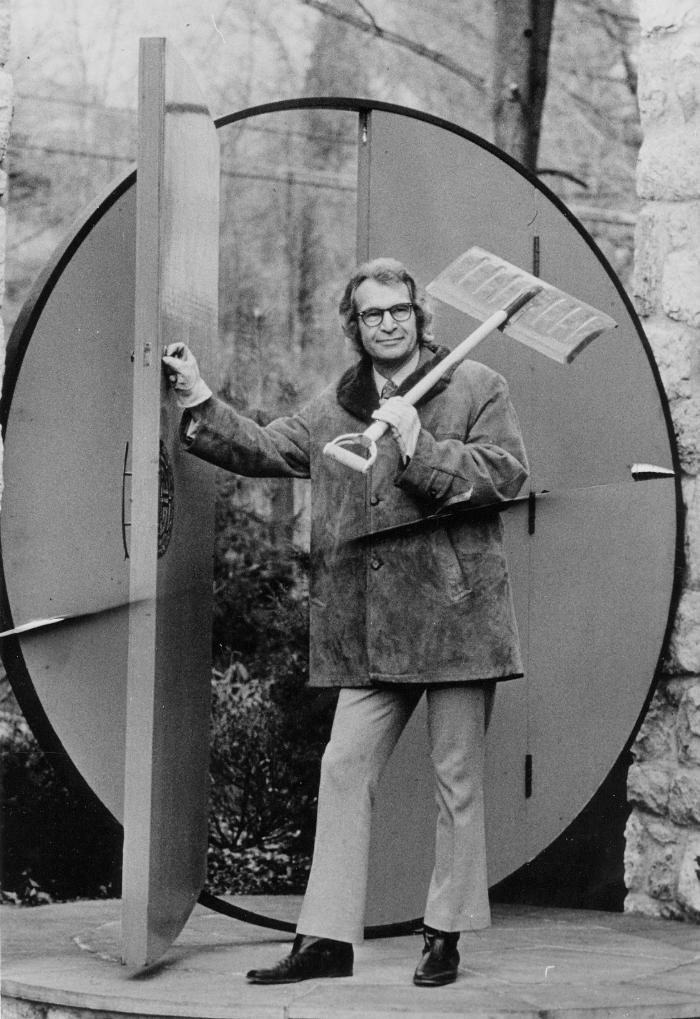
pixel 171 521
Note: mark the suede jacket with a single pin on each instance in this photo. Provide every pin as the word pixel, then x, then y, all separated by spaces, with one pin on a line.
pixel 424 604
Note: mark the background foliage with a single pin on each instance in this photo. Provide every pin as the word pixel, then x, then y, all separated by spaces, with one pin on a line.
pixel 269 730
pixel 287 244
pixel 74 65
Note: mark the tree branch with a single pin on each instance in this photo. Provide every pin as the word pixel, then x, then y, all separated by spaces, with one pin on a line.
pixel 372 28
pixel 550 171
pixel 611 27
pixel 593 214
pixel 368 14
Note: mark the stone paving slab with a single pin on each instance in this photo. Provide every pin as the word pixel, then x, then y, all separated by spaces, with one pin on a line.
pixel 62 962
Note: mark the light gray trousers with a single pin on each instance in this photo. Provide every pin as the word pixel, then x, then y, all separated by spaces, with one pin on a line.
pixel 366 728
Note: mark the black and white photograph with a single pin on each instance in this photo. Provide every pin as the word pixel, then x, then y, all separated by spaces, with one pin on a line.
pixel 350 512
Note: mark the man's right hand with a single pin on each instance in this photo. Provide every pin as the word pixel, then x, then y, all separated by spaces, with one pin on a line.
pixel 183 375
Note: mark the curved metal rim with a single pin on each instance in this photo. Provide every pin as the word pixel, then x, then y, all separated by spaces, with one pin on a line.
pixel 372 932
pixel 11 651
pixel 10 647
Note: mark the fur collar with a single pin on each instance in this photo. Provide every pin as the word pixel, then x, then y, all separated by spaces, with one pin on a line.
pixel 357 393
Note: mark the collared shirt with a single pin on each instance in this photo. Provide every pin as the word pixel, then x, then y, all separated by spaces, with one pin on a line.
pixel 402 373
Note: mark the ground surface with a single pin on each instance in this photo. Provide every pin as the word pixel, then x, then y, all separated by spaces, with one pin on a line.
pixel 531 963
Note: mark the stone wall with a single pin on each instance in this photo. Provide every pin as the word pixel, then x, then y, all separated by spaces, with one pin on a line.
pixel 5 118
pixel 662 860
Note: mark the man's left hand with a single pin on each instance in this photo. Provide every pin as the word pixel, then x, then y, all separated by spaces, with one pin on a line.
pixel 402 418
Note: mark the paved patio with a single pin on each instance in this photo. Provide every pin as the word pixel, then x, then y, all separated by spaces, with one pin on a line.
pixel 62 962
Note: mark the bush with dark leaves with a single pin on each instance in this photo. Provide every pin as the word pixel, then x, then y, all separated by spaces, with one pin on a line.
pixel 56 846
pixel 269 730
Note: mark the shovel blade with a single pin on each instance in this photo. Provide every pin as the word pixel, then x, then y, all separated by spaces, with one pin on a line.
pixel 553 323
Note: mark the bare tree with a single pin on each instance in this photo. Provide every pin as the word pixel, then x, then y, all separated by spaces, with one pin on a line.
pixel 520 56
pixel 369 24
pixel 523 30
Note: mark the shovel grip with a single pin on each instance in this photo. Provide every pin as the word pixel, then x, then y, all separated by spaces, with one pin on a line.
pixel 339 449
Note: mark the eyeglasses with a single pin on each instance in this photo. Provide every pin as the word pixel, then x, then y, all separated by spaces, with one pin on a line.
pixel 373 317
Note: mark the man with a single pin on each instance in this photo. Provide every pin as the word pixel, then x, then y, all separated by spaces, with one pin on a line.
pixel 396 614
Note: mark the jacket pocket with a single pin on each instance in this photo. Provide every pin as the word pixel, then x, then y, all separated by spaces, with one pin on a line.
pixel 452 576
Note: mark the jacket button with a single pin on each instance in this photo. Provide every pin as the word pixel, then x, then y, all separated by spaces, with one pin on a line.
pixel 375 563
pixel 432 492
pixel 374 500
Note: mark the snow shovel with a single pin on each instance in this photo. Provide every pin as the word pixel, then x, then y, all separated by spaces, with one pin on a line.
pixel 505 297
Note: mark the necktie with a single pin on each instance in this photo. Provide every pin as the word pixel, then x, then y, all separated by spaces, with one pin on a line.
pixel 388 389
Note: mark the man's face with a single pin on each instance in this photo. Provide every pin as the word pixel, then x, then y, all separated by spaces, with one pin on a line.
pixel 390 344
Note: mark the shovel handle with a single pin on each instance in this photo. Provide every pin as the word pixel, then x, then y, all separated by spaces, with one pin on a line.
pixel 493 322
pixel 338 448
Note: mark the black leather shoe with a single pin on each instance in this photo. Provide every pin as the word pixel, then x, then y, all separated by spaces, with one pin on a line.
pixel 440 960
pixel 310 957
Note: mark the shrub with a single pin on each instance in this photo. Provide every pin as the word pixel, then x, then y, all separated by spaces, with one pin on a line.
pixel 268 729
pixel 55 845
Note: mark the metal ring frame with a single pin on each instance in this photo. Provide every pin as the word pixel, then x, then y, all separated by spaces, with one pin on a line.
pixel 21 335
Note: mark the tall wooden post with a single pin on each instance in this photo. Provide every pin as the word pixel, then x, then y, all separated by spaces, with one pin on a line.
pixel 171 526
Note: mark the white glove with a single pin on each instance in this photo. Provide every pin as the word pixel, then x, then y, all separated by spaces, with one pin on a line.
pixel 402 418
pixel 183 374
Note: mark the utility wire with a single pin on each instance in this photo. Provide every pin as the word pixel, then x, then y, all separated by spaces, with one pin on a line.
pixel 125 111
pixel 302 177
